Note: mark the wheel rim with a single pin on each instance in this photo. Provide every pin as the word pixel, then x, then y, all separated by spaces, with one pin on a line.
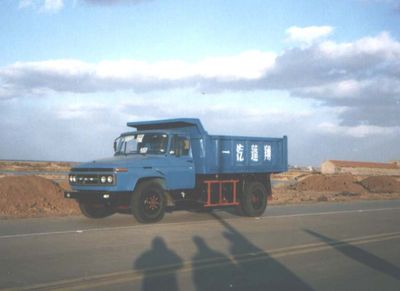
pixel 151 203
pixel 256 199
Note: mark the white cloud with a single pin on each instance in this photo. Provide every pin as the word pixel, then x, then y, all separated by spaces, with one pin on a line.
pixel 359 77
pixel 80 111
pixel 79 76
pixel 342 68
pixel 57 5
pixel 335 90
pixel 247 65
pixel 115 2
pixel 359 131
pixel 50 6
pixel 307 35
pixel 53 5
pixel 382 44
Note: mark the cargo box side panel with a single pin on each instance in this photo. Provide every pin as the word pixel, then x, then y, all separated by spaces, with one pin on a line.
pixel 246 155
pixel 199 155
pixel 213 155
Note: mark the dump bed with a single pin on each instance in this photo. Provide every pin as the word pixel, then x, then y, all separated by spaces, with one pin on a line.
pixel 215 154
pixel 234 154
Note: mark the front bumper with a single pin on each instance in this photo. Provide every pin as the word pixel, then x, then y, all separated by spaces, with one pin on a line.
pixel 104 197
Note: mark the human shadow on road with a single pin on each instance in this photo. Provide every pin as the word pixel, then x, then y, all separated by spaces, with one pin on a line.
pixel 359 255
pixel 212 270
pixel 256 269
pixel 159 266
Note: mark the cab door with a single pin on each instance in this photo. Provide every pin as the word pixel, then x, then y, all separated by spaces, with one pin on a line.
pixel 180 173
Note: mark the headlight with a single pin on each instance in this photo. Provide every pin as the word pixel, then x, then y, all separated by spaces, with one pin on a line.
pixel 70 179
pixel 110 179
pixel 103 179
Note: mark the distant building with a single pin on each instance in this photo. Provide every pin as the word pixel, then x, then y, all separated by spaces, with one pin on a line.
pixel 360 168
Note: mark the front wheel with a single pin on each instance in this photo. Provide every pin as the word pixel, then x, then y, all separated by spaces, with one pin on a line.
pixel 148 202
pixel 91 210
pixel 254 199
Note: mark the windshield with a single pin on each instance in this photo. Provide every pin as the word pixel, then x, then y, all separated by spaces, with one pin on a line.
pixel 142 143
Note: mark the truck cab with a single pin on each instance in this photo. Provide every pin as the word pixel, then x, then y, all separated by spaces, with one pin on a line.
pixel 161 153
pixel 170 163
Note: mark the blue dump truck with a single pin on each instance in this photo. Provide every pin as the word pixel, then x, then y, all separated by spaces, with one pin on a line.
pixel 175 164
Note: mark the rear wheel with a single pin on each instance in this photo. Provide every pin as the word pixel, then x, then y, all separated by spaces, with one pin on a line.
pixel 254 199
pixel 91 210
pixel 148 202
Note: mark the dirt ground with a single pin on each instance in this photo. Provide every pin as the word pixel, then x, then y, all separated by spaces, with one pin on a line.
pixel 19 166
pixel 343 187
pixel 35 196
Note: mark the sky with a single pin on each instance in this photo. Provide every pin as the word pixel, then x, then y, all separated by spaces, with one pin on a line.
pixel 324 73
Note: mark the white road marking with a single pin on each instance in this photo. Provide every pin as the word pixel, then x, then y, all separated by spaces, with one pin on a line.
pixel 331 212
pixel 61 232
pixel 22 235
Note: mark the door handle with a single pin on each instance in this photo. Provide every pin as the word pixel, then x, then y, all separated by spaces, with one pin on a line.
pixel 190 161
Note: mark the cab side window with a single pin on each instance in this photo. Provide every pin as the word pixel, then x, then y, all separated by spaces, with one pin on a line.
pixel 180 146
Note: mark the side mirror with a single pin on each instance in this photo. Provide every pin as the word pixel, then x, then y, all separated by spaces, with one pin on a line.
pixel 115 146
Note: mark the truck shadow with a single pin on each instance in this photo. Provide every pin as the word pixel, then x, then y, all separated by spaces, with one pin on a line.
pixel 253 268
pixel 212 270
pixel 359 255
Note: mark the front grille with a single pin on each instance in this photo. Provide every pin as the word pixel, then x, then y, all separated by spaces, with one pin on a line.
pixel 87 179
pixel 91 179
pixel 92 170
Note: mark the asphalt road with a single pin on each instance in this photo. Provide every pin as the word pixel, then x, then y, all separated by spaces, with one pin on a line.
pixel 325 246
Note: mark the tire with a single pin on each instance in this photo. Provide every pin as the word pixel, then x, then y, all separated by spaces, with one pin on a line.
pixel 148 202
pixel 94 211
pixel 254 199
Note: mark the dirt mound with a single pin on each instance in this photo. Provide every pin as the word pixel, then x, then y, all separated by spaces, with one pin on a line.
pixel 29 196
pixel 381 184
pixel 330 183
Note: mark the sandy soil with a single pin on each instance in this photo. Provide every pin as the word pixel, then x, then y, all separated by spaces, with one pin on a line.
pixel 289 196
pixel 344 187
pixel 32 196
pixel 19 166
